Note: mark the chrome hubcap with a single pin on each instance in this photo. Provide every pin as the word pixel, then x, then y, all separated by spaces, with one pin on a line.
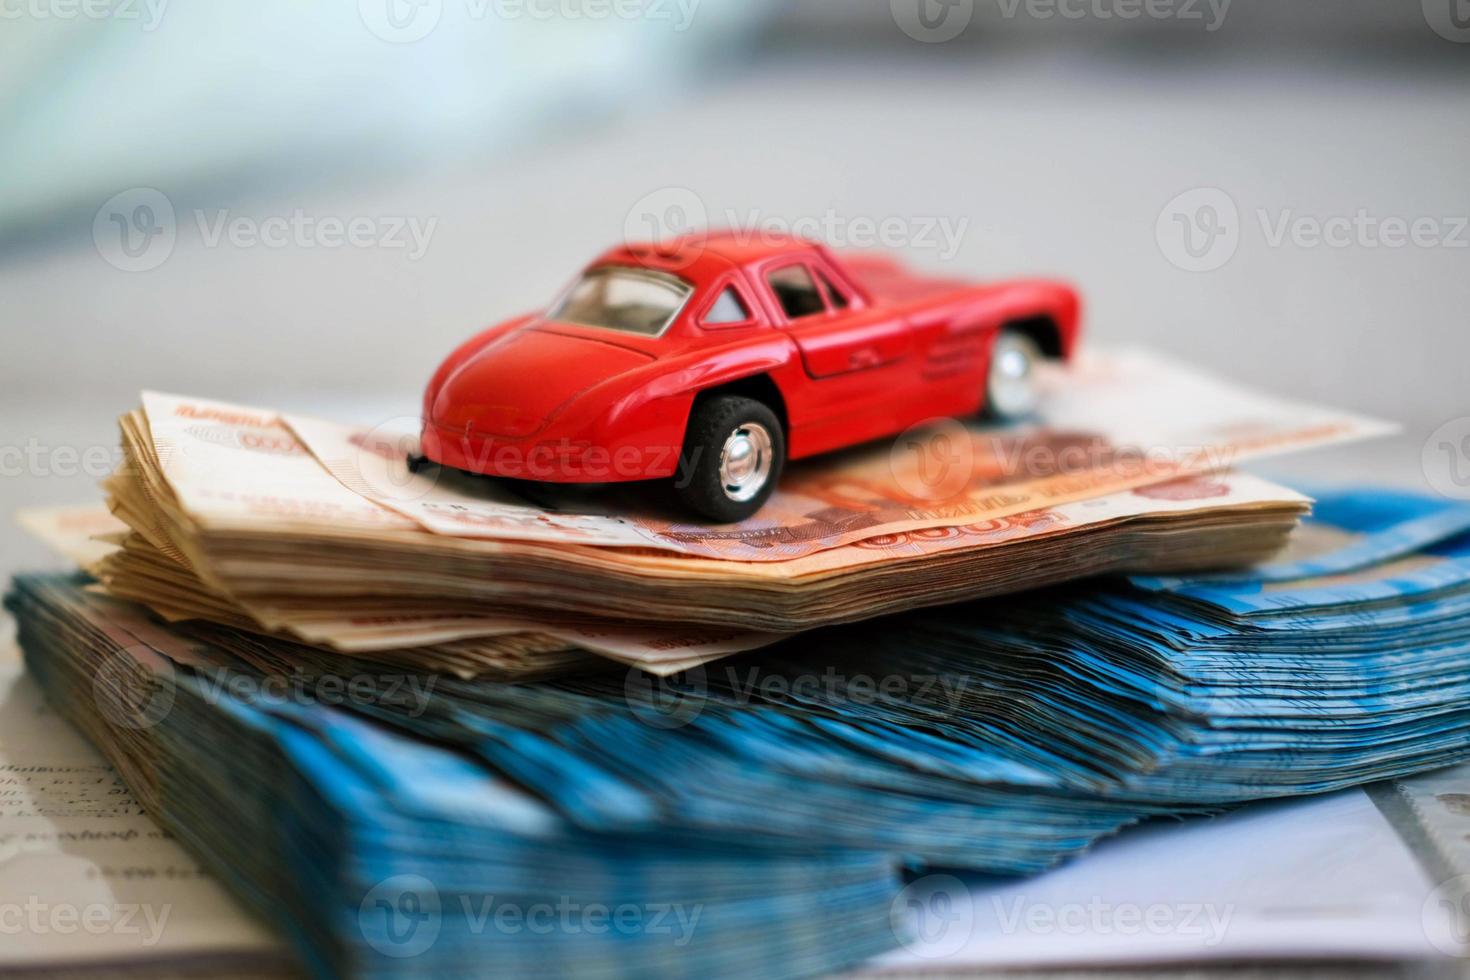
pixel 1012 381
pixel 745 461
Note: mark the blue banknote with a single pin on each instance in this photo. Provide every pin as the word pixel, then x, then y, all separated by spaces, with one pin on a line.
pixel 756 816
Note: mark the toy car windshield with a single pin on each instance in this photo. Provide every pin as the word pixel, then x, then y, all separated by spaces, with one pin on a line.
pixel 631 300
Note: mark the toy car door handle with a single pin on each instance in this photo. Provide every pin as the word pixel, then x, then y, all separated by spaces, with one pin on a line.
pixel 865 357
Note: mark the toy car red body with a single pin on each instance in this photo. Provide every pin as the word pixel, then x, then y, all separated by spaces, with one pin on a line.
pixel 714 358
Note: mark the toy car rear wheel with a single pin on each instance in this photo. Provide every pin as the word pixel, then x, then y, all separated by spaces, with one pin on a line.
pixel 1010 384
pixel 734 449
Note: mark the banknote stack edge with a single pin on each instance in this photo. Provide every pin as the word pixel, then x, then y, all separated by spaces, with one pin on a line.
pixel 318 533
pixel 997 736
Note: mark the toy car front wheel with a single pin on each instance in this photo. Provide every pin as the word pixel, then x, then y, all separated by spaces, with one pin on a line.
pixel 1010 386
pixel 734 450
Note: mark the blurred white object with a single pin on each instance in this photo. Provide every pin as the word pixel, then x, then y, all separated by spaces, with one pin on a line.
pixel 152 93
pixel 1320 878
pixel 91 882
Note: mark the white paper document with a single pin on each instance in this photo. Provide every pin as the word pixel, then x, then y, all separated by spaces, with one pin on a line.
pixel 86 878
pixel 1321 878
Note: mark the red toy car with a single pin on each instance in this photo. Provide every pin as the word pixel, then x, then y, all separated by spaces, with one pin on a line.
pixel 714 358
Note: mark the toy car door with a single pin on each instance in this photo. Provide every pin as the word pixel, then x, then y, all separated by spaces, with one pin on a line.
pixel 835 337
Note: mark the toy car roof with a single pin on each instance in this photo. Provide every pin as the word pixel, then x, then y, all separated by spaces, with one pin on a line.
pixel 702 256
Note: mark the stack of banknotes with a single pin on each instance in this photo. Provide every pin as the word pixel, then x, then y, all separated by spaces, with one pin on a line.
pixel 319 533
pixel 757 815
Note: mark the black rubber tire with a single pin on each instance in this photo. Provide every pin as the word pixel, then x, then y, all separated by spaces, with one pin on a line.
pixel 697 482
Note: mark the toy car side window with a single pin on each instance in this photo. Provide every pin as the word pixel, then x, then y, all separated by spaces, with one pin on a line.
pixel 796 291
pixel 728 309
pixel 836 295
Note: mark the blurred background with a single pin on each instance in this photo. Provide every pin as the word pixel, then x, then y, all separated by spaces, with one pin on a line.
pixel 306 206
